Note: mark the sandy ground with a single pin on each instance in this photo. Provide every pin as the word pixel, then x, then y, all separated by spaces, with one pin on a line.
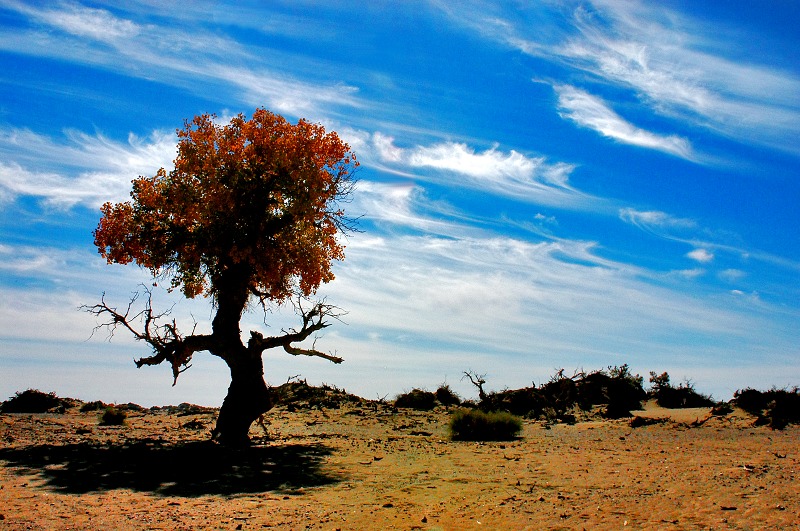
pixel 369 467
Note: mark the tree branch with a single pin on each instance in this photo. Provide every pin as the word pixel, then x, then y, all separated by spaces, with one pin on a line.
pixel 294 351
pixel 313 321
pixel 165 340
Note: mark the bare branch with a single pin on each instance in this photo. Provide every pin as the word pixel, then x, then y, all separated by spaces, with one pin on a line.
pixel 314 320
pixel 477 380
pixel 163 337
pixel 294 351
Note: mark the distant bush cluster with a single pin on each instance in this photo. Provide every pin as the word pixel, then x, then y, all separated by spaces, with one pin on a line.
pixel 616 389
pixel 418 399
pixel 299 395
pixel 422 400
pixel 776 408
pixel 496 415
pixel 35 401
pixel 683 396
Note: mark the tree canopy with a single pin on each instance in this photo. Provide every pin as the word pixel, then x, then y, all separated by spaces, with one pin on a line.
pixel 260 196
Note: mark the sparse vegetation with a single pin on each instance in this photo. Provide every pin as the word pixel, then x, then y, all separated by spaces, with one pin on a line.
pixel 113 417
pixel 96 405
pixel 446 396
pixel 617 388
pixel 477 425
pixel 416 399
pixel 683 396
pixel 34 401
pixel 612 393
pixel 776 408
pixel 299 395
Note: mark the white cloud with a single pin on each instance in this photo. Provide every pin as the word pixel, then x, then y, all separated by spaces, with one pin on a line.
pixel 701 255
pixel 88 22
pixel 689 274
pixel 186 55
pixel 590 111
pixel 506 173
pixel 91 169
pixel 281 93
pixel 653 220
pixel 678 66
pixel 549 220
pixel 489 164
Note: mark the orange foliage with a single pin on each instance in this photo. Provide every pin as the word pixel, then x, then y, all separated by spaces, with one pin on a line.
pixel 259 196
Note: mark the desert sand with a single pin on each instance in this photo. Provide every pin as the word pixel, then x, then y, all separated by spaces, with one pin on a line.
pixel 371 466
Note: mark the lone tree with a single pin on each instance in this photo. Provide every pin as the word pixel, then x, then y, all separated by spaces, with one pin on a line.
pixel 249 215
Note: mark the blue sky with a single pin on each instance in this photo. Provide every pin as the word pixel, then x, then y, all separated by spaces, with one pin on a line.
pixel 543 184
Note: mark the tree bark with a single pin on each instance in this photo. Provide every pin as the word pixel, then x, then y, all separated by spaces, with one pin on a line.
pixel 248 398
pixel 248 395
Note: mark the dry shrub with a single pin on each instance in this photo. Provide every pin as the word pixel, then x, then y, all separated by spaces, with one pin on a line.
pixel 683 396
pixel 416 399
pixel 96 405
pixel 777 407
pixel 33 401
pixel 477 425
pixel 446 396
pixel 113 417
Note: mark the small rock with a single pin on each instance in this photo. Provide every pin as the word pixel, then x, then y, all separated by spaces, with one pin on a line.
pixel 424 520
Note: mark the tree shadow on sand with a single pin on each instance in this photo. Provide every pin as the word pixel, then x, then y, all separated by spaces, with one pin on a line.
pixel 188 469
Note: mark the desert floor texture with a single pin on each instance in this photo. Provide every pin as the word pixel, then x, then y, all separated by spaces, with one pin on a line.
pixel 370 466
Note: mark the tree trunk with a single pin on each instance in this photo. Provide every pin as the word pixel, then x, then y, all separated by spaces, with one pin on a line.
pixel 248 398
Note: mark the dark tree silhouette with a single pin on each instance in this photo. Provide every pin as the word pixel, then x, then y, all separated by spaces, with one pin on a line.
pixel 250 214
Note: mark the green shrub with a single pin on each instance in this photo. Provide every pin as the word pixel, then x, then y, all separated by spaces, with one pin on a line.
pixel 416 399
pixel 477 425
pixel 112 417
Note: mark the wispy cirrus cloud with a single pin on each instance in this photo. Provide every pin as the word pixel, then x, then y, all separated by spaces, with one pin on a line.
pixel 706 243
pixel 505 173
pixel 654 220
pixel 187 56
pixel 591 111
pixel 83 21
pixel 677 66
pixel 80 168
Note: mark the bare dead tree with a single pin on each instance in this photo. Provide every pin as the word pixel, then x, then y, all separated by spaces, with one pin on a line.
pixel 478 380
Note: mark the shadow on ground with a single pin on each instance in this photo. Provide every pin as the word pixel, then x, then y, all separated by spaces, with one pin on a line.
pixel 195 468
